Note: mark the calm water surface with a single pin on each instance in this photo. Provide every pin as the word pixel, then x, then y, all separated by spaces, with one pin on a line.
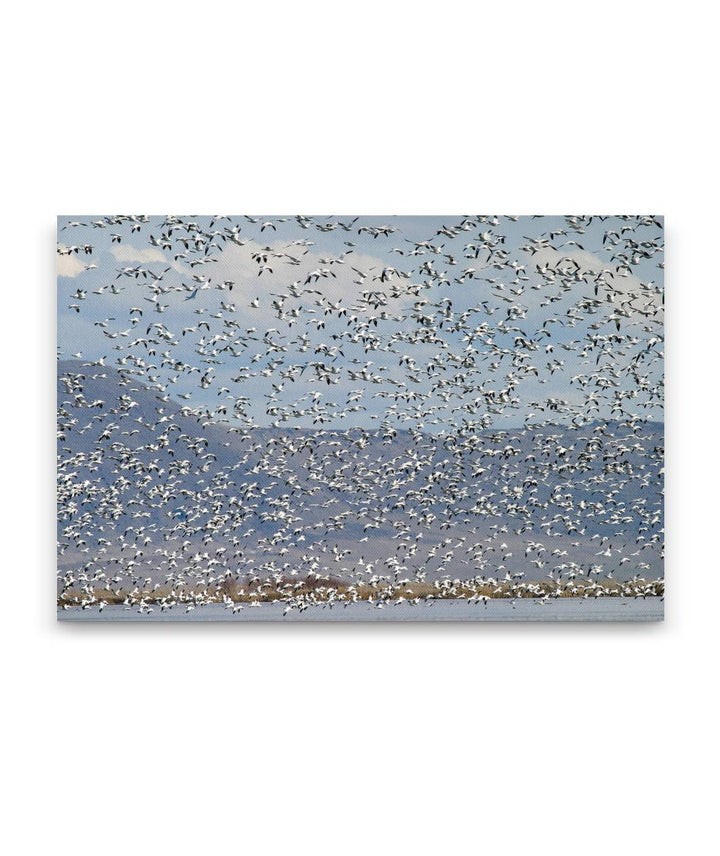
pixel 562 609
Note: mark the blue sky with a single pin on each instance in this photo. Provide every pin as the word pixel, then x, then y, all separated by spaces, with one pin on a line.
pixel 567 335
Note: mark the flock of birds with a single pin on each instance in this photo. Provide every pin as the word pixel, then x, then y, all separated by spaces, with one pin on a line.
pixel 324 411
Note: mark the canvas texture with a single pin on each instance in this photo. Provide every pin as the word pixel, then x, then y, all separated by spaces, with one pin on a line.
pixel 360 418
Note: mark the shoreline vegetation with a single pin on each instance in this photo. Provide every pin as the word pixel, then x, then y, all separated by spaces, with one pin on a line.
pixel 322 591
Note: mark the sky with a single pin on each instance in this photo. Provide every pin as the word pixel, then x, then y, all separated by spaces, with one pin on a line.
pixel 417 322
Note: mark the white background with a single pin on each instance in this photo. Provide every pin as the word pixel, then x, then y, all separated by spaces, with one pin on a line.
pixel 359 739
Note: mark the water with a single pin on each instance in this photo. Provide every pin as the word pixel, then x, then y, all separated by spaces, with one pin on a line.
pixel 561 609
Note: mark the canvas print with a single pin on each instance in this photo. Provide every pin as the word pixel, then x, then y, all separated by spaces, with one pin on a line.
pixel 338 418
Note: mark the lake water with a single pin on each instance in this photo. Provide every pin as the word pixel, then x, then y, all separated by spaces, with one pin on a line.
pixel 526 609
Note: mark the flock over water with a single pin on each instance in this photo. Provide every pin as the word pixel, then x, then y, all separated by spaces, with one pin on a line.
pixel 329 414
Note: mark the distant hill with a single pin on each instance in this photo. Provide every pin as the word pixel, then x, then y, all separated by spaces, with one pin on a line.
pixel 137 468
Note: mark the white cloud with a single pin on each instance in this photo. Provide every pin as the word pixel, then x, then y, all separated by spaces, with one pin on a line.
pixel 630 291
pixel 128 253
pixel 69 265
pixel 588 263
pixel 235 263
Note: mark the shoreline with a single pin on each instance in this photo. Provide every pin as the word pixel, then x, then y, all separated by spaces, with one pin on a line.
pixel 321 592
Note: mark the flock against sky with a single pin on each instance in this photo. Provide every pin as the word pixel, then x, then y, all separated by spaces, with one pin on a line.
pixel 325 409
